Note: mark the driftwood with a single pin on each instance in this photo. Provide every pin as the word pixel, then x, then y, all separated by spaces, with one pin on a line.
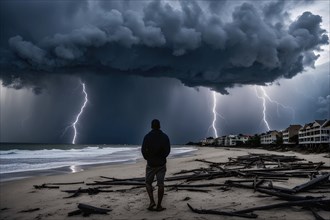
pixel 75 194
pixel 122 183
pixel 86 210
pixel 272 187
pixel 320 203
pixel 312 183
pixel 93 191
pixel 72 183
pixel 196 185
pixel 191 189
pixel 286 196
pixel 316 215
pixel 251 171
pixel 44 186
pixel 30 210
pixel 215 212
pixel 142 179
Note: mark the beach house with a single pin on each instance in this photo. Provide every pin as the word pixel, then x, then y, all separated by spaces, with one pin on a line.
pixel 290 134
pixel 270 137
pixel 234 140
pixel 315 133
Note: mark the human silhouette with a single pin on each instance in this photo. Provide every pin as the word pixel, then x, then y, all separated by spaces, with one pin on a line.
pixel 155 149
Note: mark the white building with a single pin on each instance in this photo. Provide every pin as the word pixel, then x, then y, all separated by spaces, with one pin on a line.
pixel 208 141
pixel 233 140
pixel 289 133
pixel 270 137
pixel 315 133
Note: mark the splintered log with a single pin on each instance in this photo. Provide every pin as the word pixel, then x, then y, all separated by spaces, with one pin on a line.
pixel 122 183
pixel 197 185
pixel 310 184
pixel 92 209
pixel 285 195
pixel 192 190
pixel 30 210
pixel 215 212
pixel 316 215
pixel 277 188
pixel 320 203
pixel 72 183
pixel 191 171
pixel 44 186
pixel 86 210
pixel 93 191
pixel 142 179
pixel 75 194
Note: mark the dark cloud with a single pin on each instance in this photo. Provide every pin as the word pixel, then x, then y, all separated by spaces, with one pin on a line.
pixel 324 105
pixel 161 39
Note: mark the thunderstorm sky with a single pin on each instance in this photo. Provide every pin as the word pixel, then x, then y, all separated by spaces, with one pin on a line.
pixel 142 60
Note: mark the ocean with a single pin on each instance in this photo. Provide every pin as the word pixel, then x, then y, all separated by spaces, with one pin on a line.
pixel 19 161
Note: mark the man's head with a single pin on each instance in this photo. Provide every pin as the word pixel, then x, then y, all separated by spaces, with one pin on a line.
pixel 155 124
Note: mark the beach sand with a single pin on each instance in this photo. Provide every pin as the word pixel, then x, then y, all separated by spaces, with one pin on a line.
pixel 20 195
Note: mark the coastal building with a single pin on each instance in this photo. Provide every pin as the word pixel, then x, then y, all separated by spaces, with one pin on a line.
pixel 290 134
pixel 208 141
pixel 270 137
pixel 315 133
pixel 234 140
pixel 220 141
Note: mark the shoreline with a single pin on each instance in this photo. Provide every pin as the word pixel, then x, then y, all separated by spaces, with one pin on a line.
pixel 20 195
pixel 12 176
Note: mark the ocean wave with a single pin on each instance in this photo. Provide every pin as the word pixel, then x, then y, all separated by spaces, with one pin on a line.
pixel 15 160
pixel 65 153
pixel 7 153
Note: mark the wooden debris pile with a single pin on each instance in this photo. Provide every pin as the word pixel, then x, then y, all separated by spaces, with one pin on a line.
pixel 258 172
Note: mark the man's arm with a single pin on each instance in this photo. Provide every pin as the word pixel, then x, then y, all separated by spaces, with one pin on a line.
pixel 167 147
pixel 144 149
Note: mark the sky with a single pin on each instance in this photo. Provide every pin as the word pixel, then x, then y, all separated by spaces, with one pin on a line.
pixel 141 60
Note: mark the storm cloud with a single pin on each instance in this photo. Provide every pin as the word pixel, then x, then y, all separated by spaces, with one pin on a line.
pixel 189 40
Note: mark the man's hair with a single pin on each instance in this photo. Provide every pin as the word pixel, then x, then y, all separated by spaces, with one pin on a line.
pixel 155 124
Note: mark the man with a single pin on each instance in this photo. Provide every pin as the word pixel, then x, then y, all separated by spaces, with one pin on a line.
pixel 155 149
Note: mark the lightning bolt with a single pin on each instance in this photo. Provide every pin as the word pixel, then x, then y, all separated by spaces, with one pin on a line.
pixel 264 108
pixel 73 125
pixel 265 96
pixel 277 103
pixel 214 114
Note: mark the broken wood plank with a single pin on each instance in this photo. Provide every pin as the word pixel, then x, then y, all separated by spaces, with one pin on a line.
pixel 321 203
pixel 44 186
pixel 196 185
pixel 92 209
pixel 277 188
pixel 316 215
pixel 192 190
pixel 122 183
pixel 72 183
pixel 30 210
pixel 286 196
pixel 75 194
pixel 215 212
pixel 311 183
pixel 142 179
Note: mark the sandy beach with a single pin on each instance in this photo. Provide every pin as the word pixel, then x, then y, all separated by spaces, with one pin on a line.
pixel 20 195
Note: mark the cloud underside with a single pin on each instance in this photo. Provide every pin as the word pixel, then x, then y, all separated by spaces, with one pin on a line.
pixel 190 42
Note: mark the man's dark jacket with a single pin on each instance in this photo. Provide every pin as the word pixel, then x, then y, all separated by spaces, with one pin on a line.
pixel 155 148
